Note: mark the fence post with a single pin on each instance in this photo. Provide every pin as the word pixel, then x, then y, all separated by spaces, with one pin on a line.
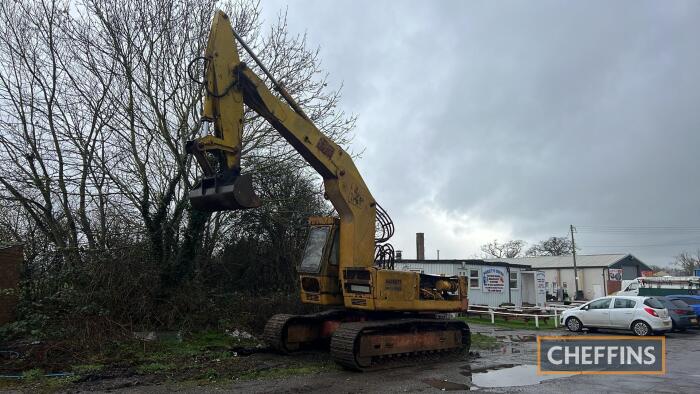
pixel 537 321
pixel 556 319
pixel 493 321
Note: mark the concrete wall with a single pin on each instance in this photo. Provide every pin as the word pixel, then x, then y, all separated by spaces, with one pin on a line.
pixel 591 278
pixel 10 264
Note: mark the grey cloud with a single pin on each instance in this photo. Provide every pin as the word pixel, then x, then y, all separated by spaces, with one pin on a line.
pixel 535 114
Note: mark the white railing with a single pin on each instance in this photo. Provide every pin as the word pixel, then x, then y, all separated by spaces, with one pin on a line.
pixel 556 308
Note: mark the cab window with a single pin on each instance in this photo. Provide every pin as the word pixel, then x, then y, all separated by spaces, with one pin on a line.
pixel 633 286
pixel 313 253
pixel 624 303
pixel 600 304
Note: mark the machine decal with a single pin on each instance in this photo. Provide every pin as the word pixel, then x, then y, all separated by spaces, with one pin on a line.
pixel 392 284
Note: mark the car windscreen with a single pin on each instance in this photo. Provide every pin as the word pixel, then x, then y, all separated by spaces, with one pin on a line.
pixel 313 253
pixel 680 304
pixel 654 303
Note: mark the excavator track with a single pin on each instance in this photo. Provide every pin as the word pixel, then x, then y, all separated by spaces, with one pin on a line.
pixel 274 329
pixel 275 333
pixel 381 344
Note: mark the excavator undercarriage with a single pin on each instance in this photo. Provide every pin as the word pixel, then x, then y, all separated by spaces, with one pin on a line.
pixel 365 342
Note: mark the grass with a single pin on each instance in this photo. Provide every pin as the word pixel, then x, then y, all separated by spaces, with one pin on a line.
pixel 205 358
pixel 516 324
pixel 151 368
pixel 485 342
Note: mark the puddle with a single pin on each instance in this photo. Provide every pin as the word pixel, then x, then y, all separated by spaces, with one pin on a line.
pixel 467 371
pixel 509 376
pixel 501 375
pixel 446 385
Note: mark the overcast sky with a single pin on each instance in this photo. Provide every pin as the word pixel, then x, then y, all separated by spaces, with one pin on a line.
pixel 488 120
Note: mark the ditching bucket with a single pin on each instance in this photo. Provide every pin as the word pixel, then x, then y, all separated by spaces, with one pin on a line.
pixel 216 193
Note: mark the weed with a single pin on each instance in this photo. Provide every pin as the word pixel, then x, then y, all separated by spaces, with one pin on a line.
pixel 155 368
pixel 480 341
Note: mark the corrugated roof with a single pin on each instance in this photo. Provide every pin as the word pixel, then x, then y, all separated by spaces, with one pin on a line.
pixel 583 260
pixel 495 262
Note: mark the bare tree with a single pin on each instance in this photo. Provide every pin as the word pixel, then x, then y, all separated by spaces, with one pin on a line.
pixel 687 262
pixel 554 246
pixel 507 249
pixel 95 110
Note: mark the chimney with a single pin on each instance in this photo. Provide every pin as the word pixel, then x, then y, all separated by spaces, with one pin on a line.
pixel 420 246
pixel 398 255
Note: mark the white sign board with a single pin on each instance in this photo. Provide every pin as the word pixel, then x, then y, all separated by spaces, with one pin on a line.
pixel 541 283
pixel 494 280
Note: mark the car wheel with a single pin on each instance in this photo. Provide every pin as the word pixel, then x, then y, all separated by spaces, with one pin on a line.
pixel 574 324
pixel 641 329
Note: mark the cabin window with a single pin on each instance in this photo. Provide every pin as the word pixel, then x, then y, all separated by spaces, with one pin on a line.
pixel 513 280
pixel 474 279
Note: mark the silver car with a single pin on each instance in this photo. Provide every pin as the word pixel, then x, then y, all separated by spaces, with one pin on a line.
pixel 642 315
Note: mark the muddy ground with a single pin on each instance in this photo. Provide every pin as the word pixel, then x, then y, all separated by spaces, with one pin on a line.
pixel 509 366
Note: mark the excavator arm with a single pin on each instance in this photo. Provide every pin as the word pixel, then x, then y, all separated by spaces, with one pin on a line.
pixel 229 83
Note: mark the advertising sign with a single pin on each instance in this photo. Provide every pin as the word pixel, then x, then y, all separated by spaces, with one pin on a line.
pixel 541 283
pixel 494 280
pixel 618 355
pixel 615 273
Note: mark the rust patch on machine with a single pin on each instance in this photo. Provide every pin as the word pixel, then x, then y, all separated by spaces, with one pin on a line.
pixel 386 344
pixel 325 147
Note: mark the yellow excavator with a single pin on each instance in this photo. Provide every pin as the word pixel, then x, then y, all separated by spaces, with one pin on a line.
pixel 376 316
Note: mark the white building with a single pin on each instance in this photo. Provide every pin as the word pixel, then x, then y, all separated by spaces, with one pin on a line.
pixel 490 283
pixel 599 274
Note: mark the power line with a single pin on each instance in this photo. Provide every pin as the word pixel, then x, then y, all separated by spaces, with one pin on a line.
pixel 697 242
pixel 637 229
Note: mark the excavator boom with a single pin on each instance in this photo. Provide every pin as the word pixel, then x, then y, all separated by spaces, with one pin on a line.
pixel 229 84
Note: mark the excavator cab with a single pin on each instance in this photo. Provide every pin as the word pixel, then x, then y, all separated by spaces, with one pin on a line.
pixel 318 270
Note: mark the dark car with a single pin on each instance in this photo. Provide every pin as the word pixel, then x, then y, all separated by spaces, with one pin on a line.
pixel 692 300
pixel 682 315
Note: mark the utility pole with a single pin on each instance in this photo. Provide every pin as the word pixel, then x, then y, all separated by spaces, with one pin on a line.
pixel 438 254
pixel 573 250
